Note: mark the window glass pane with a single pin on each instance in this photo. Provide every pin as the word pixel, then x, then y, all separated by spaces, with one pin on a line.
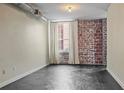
pixel 63 37
pixel 66 45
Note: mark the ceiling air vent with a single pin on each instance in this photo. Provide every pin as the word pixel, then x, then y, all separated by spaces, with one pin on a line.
pixel 37 12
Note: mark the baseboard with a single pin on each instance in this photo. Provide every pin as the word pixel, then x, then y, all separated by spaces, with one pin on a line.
pixel 82 64
pixel 20 76
pixel 116 78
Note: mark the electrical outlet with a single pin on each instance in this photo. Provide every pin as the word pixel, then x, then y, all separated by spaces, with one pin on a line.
pixel 3 72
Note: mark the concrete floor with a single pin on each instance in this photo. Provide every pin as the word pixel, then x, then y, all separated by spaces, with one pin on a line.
pixel 70 77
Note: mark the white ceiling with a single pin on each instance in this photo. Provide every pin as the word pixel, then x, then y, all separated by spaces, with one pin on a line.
pixel 56 11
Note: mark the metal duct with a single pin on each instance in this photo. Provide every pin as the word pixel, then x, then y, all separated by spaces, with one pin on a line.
pixel 28 8
pixel 25 7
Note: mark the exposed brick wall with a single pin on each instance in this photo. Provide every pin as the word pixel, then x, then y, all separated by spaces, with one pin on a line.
pixel 92 41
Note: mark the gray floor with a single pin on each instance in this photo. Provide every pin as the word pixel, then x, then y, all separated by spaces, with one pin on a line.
pixel 62 77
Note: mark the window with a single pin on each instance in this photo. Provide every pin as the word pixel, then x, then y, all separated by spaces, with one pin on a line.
pixel 63 37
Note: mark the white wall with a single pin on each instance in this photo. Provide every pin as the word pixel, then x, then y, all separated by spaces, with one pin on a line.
pixel 23 43
pixel 115 42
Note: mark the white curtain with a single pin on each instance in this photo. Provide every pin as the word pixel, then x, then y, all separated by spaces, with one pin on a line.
pixel 54 44
pixel 75 40
pixel 71 43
